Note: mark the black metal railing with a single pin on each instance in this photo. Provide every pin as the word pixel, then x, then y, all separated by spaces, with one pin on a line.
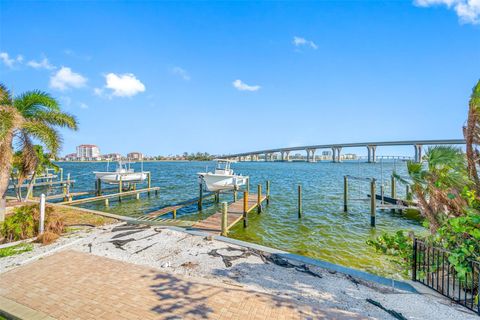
pixel 432 268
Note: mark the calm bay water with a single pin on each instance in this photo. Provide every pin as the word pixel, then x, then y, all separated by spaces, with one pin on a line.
pixel 325 231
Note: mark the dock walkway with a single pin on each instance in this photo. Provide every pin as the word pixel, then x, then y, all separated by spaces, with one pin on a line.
pixel 235 213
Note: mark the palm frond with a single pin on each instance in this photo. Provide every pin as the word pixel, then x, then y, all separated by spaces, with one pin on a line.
pixel 57 118
pixel 5 95
pixel 45 134
pixel 31 102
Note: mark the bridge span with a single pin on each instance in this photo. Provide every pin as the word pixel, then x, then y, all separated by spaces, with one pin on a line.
pixel 337 149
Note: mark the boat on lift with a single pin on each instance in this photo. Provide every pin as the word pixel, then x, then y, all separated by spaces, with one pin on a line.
pixel 123 172
pixel 222 178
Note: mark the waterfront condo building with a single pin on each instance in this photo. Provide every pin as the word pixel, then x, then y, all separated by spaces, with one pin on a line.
pixel 88 152
pixel 112 157
pixel 135 156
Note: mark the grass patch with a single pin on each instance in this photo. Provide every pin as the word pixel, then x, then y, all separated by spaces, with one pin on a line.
pixel 72 216
pixel 16 249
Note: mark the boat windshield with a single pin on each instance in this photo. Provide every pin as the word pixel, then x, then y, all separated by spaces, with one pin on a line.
pixel 223 165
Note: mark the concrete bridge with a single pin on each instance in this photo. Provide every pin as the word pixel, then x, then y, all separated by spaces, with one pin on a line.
pixel 337 148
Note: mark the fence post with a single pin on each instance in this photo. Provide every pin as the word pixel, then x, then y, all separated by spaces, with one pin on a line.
pixel 299 201
pixel 42 214
pixel 345 194
pixel 373 202
pixel 414 262
pixel 245 208
pixel 224 219
pixel 259 198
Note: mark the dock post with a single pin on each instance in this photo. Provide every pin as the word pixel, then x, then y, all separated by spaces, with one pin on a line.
pixel 408 196
pixel 394 189
pixel 149 182
pixel 248 185
pixel 61 174
pixel 99 187
pixel 345 193
pixel 106 202
pixel 174 213
pixel 200 196
pixel 120 188
pixel 235 194
pixel 259 198
pixel 245 208
pixel 373 202
pixel 300 202
pixel 224 219
pixel 268 192
pixel 64 191
pixel 138 195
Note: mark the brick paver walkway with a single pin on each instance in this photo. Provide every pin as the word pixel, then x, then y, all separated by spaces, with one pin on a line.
pixel 75 285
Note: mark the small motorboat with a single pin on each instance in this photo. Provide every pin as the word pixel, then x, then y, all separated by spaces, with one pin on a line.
pixel 123 173
pixel 222 178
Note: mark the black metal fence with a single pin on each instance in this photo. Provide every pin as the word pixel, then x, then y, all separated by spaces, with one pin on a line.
pixel 432 268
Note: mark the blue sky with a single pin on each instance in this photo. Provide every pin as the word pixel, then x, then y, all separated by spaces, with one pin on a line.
pixel 168 77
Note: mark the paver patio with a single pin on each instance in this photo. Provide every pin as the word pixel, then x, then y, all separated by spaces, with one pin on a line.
pixel 75 285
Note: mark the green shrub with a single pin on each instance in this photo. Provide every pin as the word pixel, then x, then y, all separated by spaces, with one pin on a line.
pixel 17 249
pixel 25 220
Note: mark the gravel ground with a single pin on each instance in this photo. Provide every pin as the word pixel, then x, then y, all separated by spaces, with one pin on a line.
pixel 180 253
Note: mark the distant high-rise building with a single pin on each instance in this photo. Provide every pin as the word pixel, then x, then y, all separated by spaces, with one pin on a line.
pixel 135 156
pixel 88 152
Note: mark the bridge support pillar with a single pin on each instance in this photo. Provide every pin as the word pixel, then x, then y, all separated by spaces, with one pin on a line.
pixel 418 153
pixel 285 155
pixel 372 154
pixel 336 154
pixel 311 155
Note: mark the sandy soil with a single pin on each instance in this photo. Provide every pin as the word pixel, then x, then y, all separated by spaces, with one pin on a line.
pixel 192 256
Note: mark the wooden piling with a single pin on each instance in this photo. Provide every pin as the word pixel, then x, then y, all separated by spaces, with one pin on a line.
pixel 174 213
pixel 345 194
pixel 245 208
pixel 120 189
pixel 106 202
pixel 268 191
pixel 300 210
pixel 200 196
pixel 149 181
pixel 248 185
pixel 235 194
pixel 393 188
pixel 259 198
pixel 138 196
pixel 224 219
pixel 373 202
pixel 61 174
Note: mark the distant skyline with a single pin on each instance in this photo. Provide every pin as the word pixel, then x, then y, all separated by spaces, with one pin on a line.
pixel 229 77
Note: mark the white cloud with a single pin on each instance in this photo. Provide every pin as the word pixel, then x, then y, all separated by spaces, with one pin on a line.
pixel 10 61
pixel 242 86
pixel 123 85
pixel 299 41
pixel 468 11
pixel 83 105
pixel 43 64
pixel 98 91
pixel 182 73
pixel 65 78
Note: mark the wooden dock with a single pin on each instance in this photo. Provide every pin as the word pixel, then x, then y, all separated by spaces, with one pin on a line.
pixel 113 195
pixel 236 212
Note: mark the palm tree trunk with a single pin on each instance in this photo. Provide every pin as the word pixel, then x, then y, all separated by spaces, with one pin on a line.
pixel 30 186
pixel 470 148
pixel 6 157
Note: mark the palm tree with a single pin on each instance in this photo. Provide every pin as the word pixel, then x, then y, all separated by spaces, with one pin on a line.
pixel 471 133
pixel 438 185
pixel 32 116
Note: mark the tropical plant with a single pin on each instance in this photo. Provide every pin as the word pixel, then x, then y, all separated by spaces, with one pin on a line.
pixel 24 224
pixel 21 171
pixel 438 184
pixel 32 116
pixel 471 132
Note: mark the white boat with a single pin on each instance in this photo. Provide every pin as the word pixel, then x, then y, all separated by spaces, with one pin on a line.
pixel 123 173
pixel 222 178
